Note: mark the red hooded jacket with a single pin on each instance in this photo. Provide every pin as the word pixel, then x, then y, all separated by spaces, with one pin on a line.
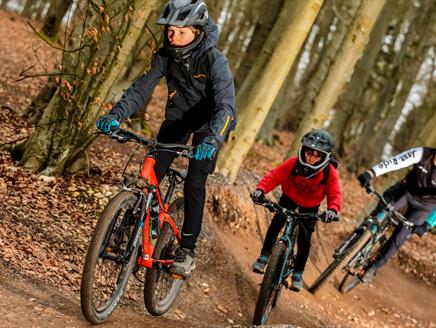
pixel 305 192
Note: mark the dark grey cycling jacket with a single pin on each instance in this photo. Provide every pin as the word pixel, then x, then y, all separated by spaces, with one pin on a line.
pixel 200 89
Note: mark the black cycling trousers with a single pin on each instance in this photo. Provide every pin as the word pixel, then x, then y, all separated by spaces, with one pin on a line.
pixel 195 183
pixel 417 213
pixel 304 237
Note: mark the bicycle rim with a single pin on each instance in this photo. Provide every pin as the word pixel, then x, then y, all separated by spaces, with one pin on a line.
pixel 270 286
pixel 161 288
pixel 108 265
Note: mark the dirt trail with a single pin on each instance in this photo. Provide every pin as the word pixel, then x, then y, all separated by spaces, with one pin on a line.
pixel 393 300
pixel 25 303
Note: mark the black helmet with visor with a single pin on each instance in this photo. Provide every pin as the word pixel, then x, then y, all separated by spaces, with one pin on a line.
pixel 316 140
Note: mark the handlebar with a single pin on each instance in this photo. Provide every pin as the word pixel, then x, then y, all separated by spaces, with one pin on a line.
pixel 123 135
pixel 400 217
pixel 274 207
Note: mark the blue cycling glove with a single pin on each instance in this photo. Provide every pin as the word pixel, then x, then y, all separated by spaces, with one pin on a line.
pixel 204 150
pixel 107 123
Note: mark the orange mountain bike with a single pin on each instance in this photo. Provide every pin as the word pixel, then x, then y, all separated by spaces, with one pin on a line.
pixel 127 237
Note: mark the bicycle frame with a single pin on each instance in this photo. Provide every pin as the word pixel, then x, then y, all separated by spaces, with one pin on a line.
pixel 378 228
pixel 288 238
pixel 147 188
pixel 148 174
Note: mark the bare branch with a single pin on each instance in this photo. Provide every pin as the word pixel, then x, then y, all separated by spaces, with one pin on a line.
pixel 27 76
pixel 53 46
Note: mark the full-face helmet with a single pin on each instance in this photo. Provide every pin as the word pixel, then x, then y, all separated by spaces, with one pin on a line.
pixel 317 141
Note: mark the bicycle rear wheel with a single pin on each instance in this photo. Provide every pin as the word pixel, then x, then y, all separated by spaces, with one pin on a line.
pixel 334 268
pixel 110 258
pixel 161 288
pixel 270 287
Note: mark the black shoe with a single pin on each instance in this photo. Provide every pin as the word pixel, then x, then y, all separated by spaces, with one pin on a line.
pixel 184 262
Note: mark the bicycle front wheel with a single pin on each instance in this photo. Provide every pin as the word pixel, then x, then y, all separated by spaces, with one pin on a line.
pixel 334 268
pixel 270 286
pixel 111 256
pixel 161 288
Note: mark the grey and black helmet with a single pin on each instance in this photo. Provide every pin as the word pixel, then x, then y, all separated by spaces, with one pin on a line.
pixel 321 141
pixel 184 13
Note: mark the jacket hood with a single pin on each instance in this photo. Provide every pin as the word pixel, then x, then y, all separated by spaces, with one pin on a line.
pixel 211 31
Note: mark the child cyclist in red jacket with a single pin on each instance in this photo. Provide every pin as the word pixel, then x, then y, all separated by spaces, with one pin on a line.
pixel 305 180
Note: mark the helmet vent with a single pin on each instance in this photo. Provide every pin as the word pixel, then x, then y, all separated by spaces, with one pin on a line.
pixel 183 15
pixel 166 12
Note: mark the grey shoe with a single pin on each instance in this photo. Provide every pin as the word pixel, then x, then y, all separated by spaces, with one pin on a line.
pixel 369 275
pixel 259 265
pixel 297 281
pixel 184 262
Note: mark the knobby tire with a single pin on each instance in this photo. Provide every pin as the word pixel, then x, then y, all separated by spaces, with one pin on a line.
pixel 160 287
pixel 113 234
pixel 336 266
pixel 268 293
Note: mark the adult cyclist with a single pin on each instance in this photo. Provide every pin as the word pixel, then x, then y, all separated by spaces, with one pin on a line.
pixel 416 192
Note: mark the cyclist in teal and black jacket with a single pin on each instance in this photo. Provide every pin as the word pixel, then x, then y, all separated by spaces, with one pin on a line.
pixel 417 192
pixel 201 101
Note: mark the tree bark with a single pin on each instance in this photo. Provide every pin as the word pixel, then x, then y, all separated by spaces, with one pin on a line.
pixel 351 98
pixel 346 12
pixel 395 92
pixel 63 133
pixel 269 11
pixel 265 79
pixel 53 19
pixel 341 69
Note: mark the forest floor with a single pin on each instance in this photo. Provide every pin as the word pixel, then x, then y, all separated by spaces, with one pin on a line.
pixel 46 224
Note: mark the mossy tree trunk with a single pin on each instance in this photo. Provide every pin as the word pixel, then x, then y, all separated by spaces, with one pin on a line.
pixel 109 31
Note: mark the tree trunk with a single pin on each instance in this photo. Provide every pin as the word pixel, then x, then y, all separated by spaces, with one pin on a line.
pixel 279 108
pixel 4 4
pixel 345 12
pixel 351 98
pixel 269 11
pixel 34 112
pixel 427 136
pixel 53 19
pixel 62 134
pixel 265 79
pixel 395 92
pixel 341 69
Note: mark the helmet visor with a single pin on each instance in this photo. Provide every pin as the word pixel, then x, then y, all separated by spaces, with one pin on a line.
pixel 314 158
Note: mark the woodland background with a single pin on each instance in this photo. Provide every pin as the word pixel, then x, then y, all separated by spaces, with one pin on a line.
pixel 363 69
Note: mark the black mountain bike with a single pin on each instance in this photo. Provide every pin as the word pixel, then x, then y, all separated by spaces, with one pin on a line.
pixel 362 246
pixel 280 264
